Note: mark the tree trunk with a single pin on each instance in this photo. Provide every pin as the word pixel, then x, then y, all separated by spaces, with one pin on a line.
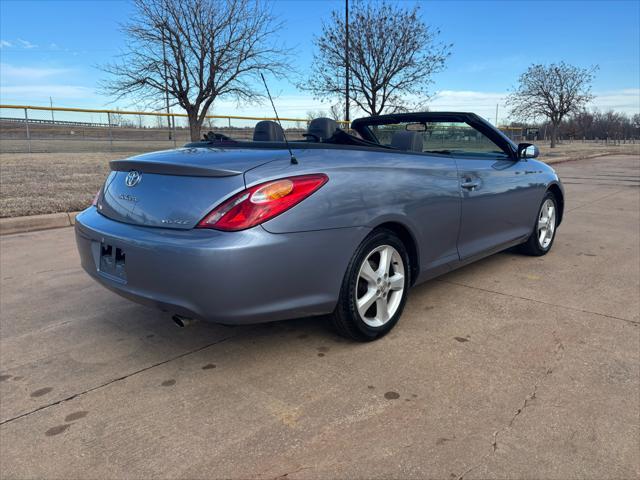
pixel 194 125
pixel 554 135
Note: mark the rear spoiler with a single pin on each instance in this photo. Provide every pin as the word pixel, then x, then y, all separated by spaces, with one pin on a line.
pixel 168 168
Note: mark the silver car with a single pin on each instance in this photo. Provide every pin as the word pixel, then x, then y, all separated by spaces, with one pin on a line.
pixel 342 223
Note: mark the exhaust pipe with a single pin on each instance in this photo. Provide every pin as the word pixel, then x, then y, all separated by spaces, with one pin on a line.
pixel 182 322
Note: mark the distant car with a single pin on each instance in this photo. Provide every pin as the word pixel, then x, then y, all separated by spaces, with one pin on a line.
pixel 246 231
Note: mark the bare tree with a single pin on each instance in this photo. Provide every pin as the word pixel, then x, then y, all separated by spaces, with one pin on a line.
pixel 393 54
pixel 582 123
pixel 336 111
pixel 317 114
pixel 552 92
pixel 122 120
pixel 593 125
pixel 201 50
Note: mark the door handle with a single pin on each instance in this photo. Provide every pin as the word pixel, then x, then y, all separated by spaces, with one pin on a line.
pixel 469 184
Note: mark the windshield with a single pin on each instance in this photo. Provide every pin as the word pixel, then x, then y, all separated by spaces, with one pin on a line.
pixel 443 138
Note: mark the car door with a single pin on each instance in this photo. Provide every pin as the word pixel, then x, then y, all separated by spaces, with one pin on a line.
pixel 496 193
pixel 430 197
pixel 493 188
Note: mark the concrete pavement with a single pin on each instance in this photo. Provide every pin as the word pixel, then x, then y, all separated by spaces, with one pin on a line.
pixel 509 368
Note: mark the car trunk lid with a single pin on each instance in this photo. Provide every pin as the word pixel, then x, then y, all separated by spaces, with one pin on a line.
pixel 176 188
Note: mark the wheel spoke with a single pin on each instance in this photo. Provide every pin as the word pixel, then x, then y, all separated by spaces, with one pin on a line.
pixel 382 309
pixel 385 261
pixel 397 282
pixel 542 235
pixel 368 274
pixel 542 223
pixel 366 301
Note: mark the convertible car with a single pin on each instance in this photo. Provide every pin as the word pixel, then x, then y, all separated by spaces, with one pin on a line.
pixel 340 224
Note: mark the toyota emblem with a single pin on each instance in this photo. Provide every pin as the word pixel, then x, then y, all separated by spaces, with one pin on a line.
pixel 133 178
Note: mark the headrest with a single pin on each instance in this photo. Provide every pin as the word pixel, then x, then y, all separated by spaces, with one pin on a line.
pixel 268 131
pixel 405 140
pixel 321 129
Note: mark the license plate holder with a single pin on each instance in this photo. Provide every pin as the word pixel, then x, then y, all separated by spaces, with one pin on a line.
pixel 112 262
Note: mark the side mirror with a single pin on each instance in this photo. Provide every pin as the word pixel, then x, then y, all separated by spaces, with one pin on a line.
pixel 528 150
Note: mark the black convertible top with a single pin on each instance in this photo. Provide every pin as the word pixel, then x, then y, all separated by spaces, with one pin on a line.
pixel 415 117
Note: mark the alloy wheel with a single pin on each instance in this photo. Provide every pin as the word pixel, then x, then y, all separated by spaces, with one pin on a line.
pixel 546 223
pixel 380 285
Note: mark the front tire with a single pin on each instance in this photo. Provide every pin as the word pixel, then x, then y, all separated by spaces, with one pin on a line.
pixel 544 229
pixel 374 289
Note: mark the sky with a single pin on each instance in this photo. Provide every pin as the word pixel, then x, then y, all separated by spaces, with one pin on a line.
pixel 51 48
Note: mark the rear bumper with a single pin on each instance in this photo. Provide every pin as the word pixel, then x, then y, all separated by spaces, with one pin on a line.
pixel 226 277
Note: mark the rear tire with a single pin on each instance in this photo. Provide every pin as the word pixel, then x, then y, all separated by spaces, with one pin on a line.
pixel 544 229
pixel 374 288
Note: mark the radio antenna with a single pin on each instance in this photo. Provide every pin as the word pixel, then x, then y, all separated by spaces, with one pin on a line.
pixel 294 160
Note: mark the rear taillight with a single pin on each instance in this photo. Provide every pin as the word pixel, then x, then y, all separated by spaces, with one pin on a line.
pixel 262 202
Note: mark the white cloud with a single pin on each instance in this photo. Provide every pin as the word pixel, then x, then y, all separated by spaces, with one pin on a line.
pixel 18 74
pixel 626 100
pixel 26 44
pixel 32 94
pixel 456 98
pixel 5 44
pixel 481 103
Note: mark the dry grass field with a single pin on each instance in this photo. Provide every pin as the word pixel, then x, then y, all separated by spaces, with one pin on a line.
pixel 50 182
pixel 38 183
pixel 580 150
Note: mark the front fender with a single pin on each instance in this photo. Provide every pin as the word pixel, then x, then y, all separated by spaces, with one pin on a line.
pixel 558 189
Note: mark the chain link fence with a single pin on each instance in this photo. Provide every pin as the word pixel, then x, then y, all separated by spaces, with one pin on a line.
pixel 27 129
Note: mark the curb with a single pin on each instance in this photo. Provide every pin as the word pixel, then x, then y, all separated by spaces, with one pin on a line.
pixel 32 223
pixel 553 161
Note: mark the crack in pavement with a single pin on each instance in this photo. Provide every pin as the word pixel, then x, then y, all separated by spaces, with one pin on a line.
pixel 115 380
pixel 285 475
pixel 635 323
pixel 558 355
pixel 282 475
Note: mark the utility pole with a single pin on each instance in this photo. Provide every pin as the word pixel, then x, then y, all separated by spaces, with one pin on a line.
pixel 166 88
pixel 346 60
pixel 496 115
pixel 51 103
